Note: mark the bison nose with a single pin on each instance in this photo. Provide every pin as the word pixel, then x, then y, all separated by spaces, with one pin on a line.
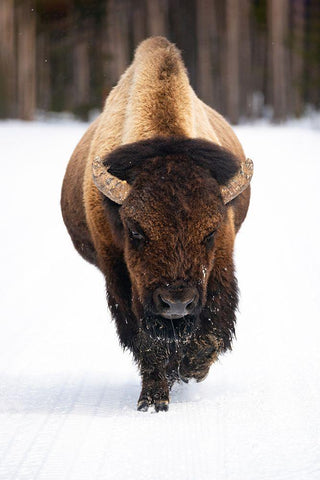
pixel 175 304
pixel 176 309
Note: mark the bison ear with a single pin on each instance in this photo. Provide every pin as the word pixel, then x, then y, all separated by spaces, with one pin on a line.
pixel 238 183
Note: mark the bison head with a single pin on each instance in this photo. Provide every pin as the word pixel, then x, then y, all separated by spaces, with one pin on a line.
pixel 173 224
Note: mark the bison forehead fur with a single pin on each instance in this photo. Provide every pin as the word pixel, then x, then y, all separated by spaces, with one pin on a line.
pixel 166 250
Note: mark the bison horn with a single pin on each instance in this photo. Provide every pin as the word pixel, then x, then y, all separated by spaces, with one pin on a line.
pixel 239 182
pixel 112 187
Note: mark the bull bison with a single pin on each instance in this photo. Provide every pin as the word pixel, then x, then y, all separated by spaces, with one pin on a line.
pixel 154 195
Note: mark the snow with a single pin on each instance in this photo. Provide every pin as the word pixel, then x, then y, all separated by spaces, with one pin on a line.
pixel 68 392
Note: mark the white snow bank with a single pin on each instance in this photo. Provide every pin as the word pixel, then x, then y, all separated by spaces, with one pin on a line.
pixel 68 392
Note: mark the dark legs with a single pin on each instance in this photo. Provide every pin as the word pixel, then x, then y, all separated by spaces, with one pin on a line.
pixel 155 392
pixel 191 361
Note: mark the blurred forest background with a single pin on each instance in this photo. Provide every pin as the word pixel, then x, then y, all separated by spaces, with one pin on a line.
pixel 246 58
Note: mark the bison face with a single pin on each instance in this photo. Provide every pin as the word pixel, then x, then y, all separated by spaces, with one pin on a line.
pixel 175 229
pixel 172 223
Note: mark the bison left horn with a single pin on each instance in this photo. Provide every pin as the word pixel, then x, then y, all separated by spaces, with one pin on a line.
pixel 112 187
pixel 239 182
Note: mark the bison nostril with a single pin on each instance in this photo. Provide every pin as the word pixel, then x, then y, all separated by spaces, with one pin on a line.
pixel 164 302
pixel 190 303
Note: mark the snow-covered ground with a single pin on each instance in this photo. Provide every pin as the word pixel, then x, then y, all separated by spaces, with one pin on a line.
pixel 67 391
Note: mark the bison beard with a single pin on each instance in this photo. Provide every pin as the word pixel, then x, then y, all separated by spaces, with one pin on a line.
pixel 154 195
pixel 170 330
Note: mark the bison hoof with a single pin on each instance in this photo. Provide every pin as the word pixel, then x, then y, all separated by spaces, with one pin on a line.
pixel 159 405
pixel 143 406
pixel 196 375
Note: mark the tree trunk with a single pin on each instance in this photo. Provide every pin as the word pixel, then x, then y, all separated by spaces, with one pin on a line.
pixel 26 53
pixel 260 81
pixel 278 35
pixel 43 72
pixel 312 70
pixel 139 21
pixel 245 71
pixel 118 44
pixel 81 71
pixel 182 24
pixel 7 60
pixel 205 61
pixel 232 60
pixel 157 12
pixel 298 23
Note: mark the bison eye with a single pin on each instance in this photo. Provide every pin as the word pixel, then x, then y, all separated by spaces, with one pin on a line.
pixel 136 235
pixel 209 239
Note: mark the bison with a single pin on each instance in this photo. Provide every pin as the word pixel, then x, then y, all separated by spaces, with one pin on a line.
pixel 154 195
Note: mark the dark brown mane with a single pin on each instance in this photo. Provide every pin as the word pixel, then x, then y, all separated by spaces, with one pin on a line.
pixel 125 161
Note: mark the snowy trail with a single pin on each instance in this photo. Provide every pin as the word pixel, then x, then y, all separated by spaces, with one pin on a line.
pixel 67 391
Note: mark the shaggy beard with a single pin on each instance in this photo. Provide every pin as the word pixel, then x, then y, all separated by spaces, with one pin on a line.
pixel 170 330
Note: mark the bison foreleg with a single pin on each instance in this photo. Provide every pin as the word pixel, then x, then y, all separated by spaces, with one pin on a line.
pixel 199 356
pixel 155 392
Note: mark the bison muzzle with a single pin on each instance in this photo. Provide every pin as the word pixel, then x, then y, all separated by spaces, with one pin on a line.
pixel 154 195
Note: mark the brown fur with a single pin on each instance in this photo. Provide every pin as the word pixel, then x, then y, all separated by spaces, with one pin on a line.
pixel 153 99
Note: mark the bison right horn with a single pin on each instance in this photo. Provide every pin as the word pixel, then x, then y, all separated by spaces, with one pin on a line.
pixel 112 187
pixel 238 183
